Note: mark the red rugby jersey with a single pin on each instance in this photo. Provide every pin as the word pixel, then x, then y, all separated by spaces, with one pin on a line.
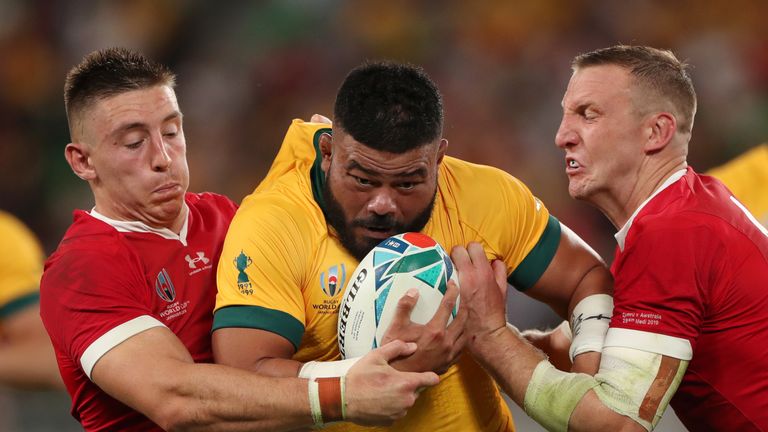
pixel 694 266
pixel 109 280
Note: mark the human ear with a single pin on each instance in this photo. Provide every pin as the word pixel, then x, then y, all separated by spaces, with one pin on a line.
pixel 441 148
pixel 662 128
pixel 79 160
pixel 326 150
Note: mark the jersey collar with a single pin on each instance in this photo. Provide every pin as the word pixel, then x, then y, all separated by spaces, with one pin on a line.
pixel 621 236
pixel 141 227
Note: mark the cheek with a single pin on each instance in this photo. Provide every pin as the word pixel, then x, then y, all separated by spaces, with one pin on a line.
pixel 412 205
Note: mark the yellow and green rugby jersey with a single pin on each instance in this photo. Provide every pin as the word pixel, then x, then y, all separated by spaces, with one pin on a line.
pixel 747 177
pixel 283 269
pixel 22 265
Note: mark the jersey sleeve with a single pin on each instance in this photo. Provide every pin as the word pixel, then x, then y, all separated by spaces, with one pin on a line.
pixel 260 274
pixel 520 230
pixel 660 297
pixel 93 301
pixel 22 264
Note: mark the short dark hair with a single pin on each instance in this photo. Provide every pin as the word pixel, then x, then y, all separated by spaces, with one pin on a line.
pixel 109 72
pixel 655 70
pixel 389 106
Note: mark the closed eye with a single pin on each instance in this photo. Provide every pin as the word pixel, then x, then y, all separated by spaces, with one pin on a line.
pixel 362 181
pixel 134 145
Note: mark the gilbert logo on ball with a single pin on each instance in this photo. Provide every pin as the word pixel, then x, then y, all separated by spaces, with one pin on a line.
pixel 401 262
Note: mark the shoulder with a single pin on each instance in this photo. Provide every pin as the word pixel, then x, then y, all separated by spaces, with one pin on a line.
pixel 461 171
pixel 88 241
pixel 278 213
pixel 482 193
pixel 469 181
pixel 694 211
pixel 19 247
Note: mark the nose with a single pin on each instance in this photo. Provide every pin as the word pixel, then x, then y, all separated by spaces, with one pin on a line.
pixel 382 203
pixel 160 158
pixel 565 136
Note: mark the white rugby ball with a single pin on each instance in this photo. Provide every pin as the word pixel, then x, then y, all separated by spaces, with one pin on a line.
pixel 401 262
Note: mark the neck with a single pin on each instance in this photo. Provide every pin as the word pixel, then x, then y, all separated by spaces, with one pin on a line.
pixel 619 204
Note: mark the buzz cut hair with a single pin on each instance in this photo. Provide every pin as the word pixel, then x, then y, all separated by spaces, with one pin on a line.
pixel 109 72
pixel 653 70
pixel 390 107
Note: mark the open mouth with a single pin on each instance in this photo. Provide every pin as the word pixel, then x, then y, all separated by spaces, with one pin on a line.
pixel 571 165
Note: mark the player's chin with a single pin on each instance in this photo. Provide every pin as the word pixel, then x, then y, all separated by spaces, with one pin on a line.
pixel 577 189
pixel 168 209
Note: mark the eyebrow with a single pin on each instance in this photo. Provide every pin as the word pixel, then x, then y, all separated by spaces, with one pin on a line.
pixel 418 172
pixel 135 125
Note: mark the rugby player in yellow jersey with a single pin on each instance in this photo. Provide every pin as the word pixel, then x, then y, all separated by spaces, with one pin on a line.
pixel 26 355
pixel 331 196
pixel 747 177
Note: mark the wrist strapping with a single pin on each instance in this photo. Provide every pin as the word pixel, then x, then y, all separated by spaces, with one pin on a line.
pixel 552 395
pixel 327 400
pixel 589 323
pixel 316 369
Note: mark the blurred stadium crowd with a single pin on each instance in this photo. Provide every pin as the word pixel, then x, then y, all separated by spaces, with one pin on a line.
pixel 245 69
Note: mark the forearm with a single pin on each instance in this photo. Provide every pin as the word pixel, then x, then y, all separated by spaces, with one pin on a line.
pixel 513 368
pixel 512 365
pixel 195 396
pixel 553 343
pixel 214 397
pixel 612 400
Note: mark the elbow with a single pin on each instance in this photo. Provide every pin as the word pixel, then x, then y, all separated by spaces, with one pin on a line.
pixel 176 415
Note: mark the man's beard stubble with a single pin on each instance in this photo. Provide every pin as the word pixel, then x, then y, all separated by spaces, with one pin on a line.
pixel 359 249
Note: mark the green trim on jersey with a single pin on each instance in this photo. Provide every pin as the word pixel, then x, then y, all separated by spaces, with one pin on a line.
pixel 316 174
pixel 258 317
pixel 536 262
pixel 19 303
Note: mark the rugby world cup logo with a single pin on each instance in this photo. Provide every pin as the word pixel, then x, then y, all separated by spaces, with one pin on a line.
pixel 332 285
pixel 164 286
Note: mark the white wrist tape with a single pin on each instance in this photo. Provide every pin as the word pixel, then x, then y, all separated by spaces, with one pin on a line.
pixel 552 395
pixel 314 403
pixel 589 323
pixel 316 369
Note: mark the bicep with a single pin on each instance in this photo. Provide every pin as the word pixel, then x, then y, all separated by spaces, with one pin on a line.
pixel 254 349
pixel 147 360
pixel 574 266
